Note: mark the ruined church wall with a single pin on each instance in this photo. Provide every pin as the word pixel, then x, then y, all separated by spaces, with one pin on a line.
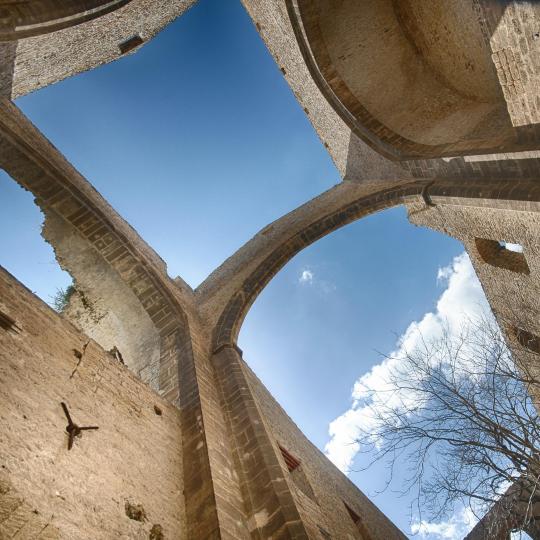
pixel 513 295
pixel 47 491
pixel 103 306
pixel 324 508
pixel 83 46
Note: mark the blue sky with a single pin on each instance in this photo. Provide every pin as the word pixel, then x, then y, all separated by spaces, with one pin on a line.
pixel 198 142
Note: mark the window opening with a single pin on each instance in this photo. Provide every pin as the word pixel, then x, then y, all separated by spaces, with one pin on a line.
pixel 527 340
pixel 294 465
pixel 502 255
pixel 130 43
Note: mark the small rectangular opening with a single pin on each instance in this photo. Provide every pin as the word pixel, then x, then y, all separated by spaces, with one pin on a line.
pixel 297 473
pixel 527 339
pixel 502 255
pixel 130 43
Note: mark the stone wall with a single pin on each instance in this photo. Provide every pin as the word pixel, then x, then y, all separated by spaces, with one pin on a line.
pixel 322 504
pixel 512 288
pixel 38 61
pixel 135 458
pixel 102 305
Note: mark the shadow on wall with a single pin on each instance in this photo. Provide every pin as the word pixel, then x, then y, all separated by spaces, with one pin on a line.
pixel 364 163
pixel 7 55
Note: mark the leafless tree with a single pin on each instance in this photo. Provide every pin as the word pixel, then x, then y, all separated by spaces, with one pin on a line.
pixel 458 412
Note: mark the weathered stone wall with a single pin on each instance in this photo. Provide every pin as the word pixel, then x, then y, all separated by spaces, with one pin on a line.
pixel 103 306
pixel 331 489
pixel 513 290
pixel 35 62
pixel 223 445
pixel 28 18
pixel 514 35
pixel 273 24
pixel 47 491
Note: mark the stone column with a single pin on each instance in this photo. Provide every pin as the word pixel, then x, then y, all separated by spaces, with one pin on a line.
pixel 270 506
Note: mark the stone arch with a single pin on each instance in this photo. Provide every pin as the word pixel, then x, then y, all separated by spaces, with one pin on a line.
pixel 240 299
pixel 100 33
pixel 24 19
pixel 414 79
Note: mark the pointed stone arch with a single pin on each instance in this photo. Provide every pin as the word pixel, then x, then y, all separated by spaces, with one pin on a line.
pixel 318 221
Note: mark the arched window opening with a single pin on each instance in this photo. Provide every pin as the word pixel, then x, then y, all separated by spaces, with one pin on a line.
pixel 527 339
pixel 503 255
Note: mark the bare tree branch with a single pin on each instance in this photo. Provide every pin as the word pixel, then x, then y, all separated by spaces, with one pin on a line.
pixel 458 411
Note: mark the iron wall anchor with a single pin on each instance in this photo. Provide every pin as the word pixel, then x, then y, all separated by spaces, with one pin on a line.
pixel 73 429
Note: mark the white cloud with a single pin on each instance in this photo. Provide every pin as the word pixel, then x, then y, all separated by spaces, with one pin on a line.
pixel 518 248
pixel 373 391
pixel 306 277
pixel 455 528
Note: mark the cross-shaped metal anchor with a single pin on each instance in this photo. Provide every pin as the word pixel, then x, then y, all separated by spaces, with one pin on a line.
pixel 73 429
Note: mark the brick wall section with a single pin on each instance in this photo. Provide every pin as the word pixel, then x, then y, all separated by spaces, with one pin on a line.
pixel 499 522
pixel 331 487
pixel 273 24
pixel 512 31
pixel 79 493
